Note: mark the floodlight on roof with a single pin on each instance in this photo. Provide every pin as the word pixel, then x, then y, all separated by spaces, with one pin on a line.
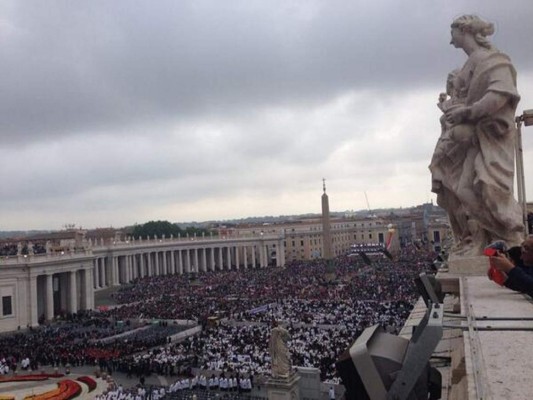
pixel 527 117
pixel 429 288
pixel 381 366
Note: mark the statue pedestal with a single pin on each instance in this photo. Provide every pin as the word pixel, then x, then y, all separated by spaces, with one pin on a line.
pixel 477 265
pixel 283 388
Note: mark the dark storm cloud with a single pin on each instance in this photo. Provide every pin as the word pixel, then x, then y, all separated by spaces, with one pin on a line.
pixel 87 66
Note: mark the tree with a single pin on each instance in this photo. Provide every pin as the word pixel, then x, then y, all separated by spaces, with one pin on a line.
pixel 158 228
pixel 166 228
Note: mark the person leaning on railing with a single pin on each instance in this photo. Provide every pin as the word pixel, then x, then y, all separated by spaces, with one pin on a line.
pixel 519 275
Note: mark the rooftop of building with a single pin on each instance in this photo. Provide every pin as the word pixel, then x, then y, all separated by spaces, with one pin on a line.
pixel 488 331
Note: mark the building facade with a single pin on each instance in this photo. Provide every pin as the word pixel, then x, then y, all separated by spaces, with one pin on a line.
pixel 304 239
pixel 62 278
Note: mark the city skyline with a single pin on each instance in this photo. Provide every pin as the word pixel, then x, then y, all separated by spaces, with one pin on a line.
pixel 381 213
pixel 194 111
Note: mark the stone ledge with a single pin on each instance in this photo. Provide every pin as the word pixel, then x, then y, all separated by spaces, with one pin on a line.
pixel 476 266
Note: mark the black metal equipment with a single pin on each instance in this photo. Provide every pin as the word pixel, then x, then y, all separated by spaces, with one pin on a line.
pixel 381 366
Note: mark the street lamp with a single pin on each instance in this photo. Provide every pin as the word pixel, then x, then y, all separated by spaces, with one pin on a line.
pixel 527 119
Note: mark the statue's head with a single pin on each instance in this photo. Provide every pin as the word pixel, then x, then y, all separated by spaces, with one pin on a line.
pixel 472 25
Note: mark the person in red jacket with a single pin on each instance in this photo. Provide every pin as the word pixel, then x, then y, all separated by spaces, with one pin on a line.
pixel 519 276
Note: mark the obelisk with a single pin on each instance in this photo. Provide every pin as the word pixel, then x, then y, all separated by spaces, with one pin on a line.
pixel 327 247
pixel 326 226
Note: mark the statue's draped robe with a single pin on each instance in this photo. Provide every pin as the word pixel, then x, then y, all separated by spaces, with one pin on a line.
pixel 477 175
pixel 279 352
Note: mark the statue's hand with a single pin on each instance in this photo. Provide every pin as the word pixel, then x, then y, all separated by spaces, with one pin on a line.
pixel 457 115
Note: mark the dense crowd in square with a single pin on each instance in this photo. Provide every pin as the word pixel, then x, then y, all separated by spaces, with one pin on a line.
pixel 324 313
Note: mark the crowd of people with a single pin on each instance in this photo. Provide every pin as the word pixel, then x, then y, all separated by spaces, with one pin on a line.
pixel 182 389
pixel 85 339
pixel 235 308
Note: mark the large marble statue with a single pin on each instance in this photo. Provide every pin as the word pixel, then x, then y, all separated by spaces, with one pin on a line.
pixel 279 351
pixel 473 163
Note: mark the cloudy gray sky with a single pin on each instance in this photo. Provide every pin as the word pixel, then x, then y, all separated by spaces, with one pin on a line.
pixel 119 112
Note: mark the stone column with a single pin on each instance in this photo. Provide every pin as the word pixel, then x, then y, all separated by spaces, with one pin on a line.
pixel 220 259
pixel 105 272
pixel 212 258
pixel 49 297
pixel 83 279
pixel 89 291
pixel 99 283
pixel 280 253
pixel 146 265
pixel 134 267
pixel 110 271
pixel 165 263
pixel 101 272
pixel 126 269
pixel 196 260
pixel 245 256
pixel 149 264
pixel 180 262
pixel 125 272
pixel 204 259
pixel 253 257
pixel 228 255
pixel 157 270
pixel 262 255
pixel 116 281
pixel 73 293
pixel 120 269
pixel 131 271
pixel 172 262
pixel 95 272
pixel 33 310
pixel 187 261
pixel 142 271
pixel 237 256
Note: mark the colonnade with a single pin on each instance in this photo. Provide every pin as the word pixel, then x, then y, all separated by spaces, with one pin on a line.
pixel 40 286
pixel 44 287
pixel 68 291
pixel 122 264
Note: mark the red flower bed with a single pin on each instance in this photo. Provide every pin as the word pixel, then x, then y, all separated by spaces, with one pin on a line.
pixel 72 389
pixel 88 381
pixel 66 390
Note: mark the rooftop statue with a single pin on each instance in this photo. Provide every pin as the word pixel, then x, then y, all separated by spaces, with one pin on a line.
pixel 473 163
pixel 279 351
